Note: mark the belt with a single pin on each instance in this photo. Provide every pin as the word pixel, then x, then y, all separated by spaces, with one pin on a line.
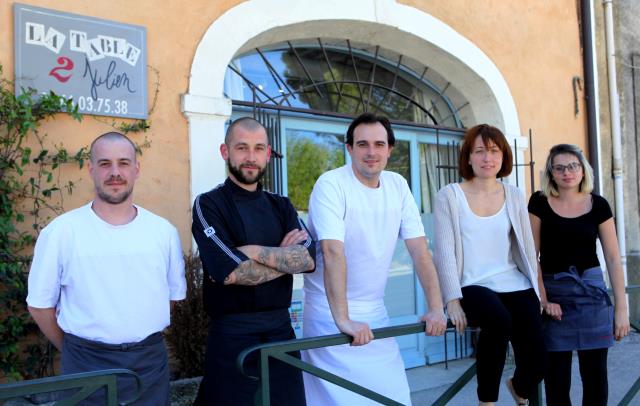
pixel 154 338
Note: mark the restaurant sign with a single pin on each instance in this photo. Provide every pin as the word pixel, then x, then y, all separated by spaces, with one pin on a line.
pixel 101 64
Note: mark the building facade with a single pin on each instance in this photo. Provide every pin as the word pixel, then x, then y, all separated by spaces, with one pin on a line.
pixel 626 60
pixel 304 67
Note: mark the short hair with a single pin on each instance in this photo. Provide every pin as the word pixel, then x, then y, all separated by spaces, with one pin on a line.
pixel 112 136
pixel 488 133
pixel 370 118
pixel 549 186
pixel 246 123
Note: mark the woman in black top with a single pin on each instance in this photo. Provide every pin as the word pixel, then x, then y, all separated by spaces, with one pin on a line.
pixel 567 218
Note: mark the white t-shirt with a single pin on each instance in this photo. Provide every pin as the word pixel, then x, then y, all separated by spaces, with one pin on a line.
pixel 486 249
pixel 109 283
pixel 368 221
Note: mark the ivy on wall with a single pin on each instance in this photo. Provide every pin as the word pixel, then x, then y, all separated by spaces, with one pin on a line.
pixel 30 192
pixel 29 187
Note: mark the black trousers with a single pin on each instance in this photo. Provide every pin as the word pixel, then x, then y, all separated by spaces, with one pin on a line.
pixel 504 317
pixel 593 371
pixel 223 384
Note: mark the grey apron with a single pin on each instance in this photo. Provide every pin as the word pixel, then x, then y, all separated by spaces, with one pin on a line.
pixel 587 311
pixel 148 358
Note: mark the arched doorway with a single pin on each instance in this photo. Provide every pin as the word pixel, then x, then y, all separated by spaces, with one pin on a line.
pixel 471 90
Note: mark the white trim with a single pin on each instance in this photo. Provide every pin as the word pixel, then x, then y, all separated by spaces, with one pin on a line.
pixel 405 29
pixel 206 134
pixel 196 104
pixel 596 93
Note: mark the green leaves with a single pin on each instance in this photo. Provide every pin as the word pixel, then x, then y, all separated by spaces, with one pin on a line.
pixel 30 192
pixel 28 182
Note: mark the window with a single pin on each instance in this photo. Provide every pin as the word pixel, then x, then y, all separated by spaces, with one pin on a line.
pixel 334 76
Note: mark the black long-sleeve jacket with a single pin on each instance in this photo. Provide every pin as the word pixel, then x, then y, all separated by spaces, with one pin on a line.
pixel 218 229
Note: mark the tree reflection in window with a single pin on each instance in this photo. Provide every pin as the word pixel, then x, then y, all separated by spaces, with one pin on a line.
pixel 399 161
pixel 309 155
pixel 343 80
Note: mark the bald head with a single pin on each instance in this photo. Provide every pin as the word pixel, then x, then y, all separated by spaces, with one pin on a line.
pixel 111 136
pixel 245 123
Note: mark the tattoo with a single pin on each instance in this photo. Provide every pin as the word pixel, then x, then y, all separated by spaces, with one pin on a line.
pixel 293 259
pixel 251 273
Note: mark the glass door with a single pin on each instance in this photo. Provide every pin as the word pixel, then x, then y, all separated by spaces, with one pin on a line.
pixel 310 146
pixel 428 162
pixel 436 167
pixel 309 149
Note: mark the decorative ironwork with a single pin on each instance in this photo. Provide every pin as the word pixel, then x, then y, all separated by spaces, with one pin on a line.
pixel 335 82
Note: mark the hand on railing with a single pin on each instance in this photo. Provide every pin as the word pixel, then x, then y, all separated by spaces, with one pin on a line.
pixel 360 332
pixel 457 316
pixel 435 322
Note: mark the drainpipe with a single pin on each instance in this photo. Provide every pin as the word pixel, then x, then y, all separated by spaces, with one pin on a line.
pixel 590 89
pixel 614 107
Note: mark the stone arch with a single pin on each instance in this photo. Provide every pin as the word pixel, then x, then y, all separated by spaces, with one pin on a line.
pixel 257 23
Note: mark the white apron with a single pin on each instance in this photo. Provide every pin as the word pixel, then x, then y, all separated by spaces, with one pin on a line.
pixel 377 366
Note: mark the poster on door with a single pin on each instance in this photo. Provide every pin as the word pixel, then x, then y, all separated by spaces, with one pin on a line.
pixel 100 64
pixel 295 312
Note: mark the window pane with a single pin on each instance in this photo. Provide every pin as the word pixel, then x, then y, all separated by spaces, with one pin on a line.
pixel 400 293
pixel 309 155
pixel 400 161
pixel 337 81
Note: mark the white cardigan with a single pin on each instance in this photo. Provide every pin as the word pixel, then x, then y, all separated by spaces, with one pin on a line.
pixel 448 255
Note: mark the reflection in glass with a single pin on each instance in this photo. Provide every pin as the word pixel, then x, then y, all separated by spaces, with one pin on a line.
pixel 399 295
pixel 309 155
pixel 438 167
pixel 400 291
pixel 341 83
pixel 400 161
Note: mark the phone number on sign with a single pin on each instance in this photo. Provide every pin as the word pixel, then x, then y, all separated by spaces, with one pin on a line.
pixel 100 105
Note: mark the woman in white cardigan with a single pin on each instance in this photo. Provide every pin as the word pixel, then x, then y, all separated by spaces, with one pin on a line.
pixel 485 256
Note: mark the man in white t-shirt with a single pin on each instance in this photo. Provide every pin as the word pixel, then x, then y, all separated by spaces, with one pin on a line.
pixel 103 277
pixel 357 213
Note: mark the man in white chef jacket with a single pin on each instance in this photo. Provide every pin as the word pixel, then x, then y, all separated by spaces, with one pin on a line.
pixel 357 212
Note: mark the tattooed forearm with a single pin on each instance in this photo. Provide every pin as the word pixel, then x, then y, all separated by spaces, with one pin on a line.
pixel 251 273
pixel 291 260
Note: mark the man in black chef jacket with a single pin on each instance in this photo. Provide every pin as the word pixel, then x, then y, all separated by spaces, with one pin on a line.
pixel 251 242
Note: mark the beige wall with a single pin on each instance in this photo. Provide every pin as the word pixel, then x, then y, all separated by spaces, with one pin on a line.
pixel 534 44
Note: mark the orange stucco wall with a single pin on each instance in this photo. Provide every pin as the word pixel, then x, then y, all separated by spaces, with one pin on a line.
pixel 173 32
pixel 535 45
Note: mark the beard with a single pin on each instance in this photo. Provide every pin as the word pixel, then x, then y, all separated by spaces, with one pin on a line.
pixel 116 198
pixel 236 171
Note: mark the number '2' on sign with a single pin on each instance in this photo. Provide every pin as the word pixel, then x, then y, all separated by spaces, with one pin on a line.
pixel 65 65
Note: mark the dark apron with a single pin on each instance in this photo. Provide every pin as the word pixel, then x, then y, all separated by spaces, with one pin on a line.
pixel 148 358
pixel 587 311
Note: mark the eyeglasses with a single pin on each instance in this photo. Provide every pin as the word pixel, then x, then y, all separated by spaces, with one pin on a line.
pixel 573 167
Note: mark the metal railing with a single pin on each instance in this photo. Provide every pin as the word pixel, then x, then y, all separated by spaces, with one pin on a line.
pixel 86 382
pixel 280 350
pixel 89 382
